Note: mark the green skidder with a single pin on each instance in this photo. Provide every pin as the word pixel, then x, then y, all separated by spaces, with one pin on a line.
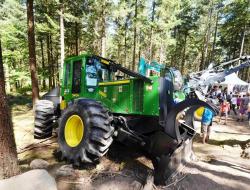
pixel 100 101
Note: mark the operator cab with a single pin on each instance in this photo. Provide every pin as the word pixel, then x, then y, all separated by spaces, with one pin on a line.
pixel 82 75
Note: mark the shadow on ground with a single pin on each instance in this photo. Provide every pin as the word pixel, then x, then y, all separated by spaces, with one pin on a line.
pixel 19 100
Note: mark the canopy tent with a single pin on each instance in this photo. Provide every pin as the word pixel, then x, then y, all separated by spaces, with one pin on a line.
pixel 233 79
pixel 234 83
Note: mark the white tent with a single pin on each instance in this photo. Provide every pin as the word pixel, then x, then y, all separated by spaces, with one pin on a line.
pixel 233 79
pixel 234 83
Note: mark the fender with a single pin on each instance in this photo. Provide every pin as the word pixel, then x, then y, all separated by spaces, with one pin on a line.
pixel 171 127
pixel 189 116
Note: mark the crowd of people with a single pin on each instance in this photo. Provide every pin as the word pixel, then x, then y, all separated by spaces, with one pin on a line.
pixel 239 104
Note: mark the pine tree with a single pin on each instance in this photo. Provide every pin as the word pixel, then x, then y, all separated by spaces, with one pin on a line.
pixel 32 51
pixel 8 154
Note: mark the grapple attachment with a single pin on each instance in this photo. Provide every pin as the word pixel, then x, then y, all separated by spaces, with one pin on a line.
pixel 172 148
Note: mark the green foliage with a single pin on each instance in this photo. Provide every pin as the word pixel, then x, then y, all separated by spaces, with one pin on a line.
pixel 13 34
pixel 235 17
pixel 187 34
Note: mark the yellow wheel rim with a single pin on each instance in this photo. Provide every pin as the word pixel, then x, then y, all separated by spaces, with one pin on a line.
pixel 74 130
pixel 198 113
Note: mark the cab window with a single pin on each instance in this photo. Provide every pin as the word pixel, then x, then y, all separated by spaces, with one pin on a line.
pixel 67 75
pixel 91 75
pixel 96 72
pixel 76 79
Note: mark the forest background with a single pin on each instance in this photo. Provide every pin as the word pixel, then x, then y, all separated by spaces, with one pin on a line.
pixel 187 34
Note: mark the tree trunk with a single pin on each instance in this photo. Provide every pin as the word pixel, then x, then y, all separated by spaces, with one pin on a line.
pixel 49 60
pixel 241 48
pixel 215 35
pixel 7 79
pixel 118 53
pixel 151 34
pixel 161 54
pixel 206 40
pixel 52 63
pixel 174 56
pixel 139 45
pixel 242 41
pixel 184 54
pixel 125 45
pixel 32 51
pixel 103 41
pixel 43 64
pixel 8 154
pixel 202 55
pixel 62 34
pixel 57 69
pixel 135 25
pixel 103 30
pixel 205 63
pixel 76 38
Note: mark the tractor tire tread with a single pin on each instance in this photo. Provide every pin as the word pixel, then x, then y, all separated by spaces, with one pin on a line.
pixel 44 122
pixel 44 129
pixel 43 135
pixel 99 134
pixel 44 119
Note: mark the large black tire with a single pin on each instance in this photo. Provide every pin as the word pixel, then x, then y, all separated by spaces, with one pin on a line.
pixel 97 135
pixel 44 119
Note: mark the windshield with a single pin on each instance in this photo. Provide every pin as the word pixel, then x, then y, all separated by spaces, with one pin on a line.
pixel 96 72
pixel 91 75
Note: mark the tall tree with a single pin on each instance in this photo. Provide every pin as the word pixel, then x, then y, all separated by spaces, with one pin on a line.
pixel 8 154
pixel 151 31
pixel 32 51
pixel 43 64
pixel 135 34
pixel 207 38
pixel 215 35
pixel 103 29
pixel 62 35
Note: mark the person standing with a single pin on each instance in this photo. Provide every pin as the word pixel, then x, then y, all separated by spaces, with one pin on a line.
pixel 225 94
pixel 243 107
pixel 229 98
pixel 248 109
pixel 248 114
pixel 214 92
pixel 238 101
pixel 219 90
pixel 224 109
pixel 220 98
pixel 206 123
pixel 234 104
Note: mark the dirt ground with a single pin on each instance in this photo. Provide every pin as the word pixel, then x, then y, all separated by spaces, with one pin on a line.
pixel 224 163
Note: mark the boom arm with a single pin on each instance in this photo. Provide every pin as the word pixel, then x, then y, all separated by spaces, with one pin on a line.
pixel 114 66
pixel 221 76
pixel 209 77
pixel 131 73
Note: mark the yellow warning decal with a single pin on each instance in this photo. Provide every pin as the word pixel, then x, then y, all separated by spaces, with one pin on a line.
pixel 105 61
pixel 114 83
pixel 103 94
